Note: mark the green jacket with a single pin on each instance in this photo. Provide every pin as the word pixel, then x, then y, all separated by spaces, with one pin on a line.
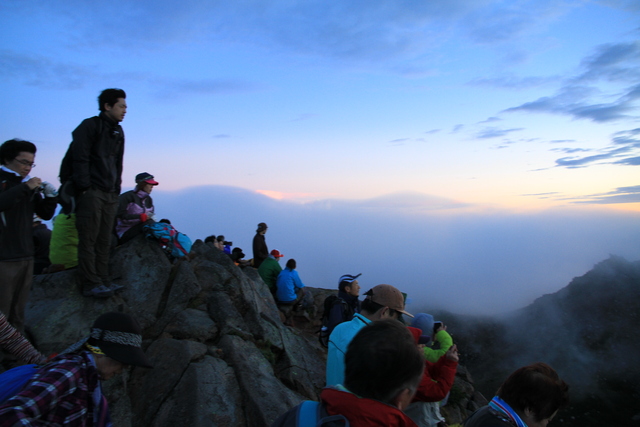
pixel 445 341
pixel 269 270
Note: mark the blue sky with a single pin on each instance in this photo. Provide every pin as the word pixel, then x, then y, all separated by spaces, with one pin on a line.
pixel 458 109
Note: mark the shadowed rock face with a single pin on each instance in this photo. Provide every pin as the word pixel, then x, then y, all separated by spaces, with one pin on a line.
pixel 221 350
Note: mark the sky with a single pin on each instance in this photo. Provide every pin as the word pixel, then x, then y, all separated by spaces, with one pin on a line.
pixel 500 135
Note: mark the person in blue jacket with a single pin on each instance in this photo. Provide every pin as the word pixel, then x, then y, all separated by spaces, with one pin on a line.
pixel 289 286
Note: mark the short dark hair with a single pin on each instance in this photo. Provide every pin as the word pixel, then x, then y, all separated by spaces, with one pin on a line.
pixel 10 149
pixel 370 306
pixel 535 387
pixel 110 97
pixel 382 360
pixel 210 239
pixel 342 285
pixel 291 264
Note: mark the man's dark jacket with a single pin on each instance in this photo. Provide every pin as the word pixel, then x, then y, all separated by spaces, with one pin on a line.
pixel 260 250
pixel 17 205
pixel 96 154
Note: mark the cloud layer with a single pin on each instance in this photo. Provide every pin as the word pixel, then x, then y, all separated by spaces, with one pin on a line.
pixel 439 251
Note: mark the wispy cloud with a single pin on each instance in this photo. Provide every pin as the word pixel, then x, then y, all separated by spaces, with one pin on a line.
pixel 493 132
pixel 624 149
pixel 619 195
pixel 40 71
pixel 614 66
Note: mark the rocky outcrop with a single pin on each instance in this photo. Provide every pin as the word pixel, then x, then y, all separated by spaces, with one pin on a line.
pixel 224 355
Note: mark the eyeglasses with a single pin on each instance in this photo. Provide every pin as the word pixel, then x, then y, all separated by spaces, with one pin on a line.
pixel 25 163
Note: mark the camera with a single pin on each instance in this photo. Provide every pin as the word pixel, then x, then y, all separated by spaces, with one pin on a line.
pixel 436 326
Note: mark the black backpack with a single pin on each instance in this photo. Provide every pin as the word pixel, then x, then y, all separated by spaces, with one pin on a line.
pixel 326 329
pixel 67 192
pixel 310 414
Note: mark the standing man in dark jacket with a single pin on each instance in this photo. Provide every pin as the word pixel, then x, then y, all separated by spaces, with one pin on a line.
pixel 96 154
pixel 260 250
pixel 20 197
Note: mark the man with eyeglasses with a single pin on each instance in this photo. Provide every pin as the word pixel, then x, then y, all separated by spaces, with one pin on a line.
pixel 381 302
pixel 21 195
pixel 94 164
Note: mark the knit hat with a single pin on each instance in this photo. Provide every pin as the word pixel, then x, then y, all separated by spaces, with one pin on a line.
pixel 261 227
pixel 387 296
pixel 119 336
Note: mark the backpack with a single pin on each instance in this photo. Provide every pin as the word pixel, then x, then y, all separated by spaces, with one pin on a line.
pixel 326 329
pixel 310 414
pixel 67 191
pixel 174 243
pixel 13 380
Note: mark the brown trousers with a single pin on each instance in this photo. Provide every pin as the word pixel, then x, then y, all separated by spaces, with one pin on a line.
pixel 15 284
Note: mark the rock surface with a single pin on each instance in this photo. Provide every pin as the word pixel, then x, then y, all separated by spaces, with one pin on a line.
pixel 222 353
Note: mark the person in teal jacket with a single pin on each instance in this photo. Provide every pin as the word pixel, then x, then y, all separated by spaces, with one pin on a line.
pixel 270 269
pixel 289 284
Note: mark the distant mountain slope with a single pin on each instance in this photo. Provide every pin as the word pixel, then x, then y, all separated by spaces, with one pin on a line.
pixel 589 332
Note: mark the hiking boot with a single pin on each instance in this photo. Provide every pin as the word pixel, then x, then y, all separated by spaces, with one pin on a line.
pixel 98 292
pixel 115 288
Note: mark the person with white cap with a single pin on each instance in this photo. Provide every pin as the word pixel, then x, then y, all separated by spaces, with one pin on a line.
pixel 381 302
pixel 68 391
pixel 340 308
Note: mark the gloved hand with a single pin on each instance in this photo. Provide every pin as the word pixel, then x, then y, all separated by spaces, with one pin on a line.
pixel 151 216
pixel 48 189
pixel 144 217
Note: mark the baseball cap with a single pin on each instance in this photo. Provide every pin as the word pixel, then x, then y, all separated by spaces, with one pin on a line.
pixel 276 253
pixel 388 296
pixel 146 177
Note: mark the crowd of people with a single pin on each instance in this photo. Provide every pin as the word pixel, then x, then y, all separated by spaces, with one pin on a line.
pixel 384 366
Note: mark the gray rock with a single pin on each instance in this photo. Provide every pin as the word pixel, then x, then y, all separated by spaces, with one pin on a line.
pixel 265 396
pixel 192 324
pixel 207 395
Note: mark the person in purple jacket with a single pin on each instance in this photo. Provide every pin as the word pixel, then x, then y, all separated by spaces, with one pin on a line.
pixel 135 207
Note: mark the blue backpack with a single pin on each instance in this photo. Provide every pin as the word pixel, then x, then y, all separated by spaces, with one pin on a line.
pixel 13 380
pixel 173 242
pixel 310 414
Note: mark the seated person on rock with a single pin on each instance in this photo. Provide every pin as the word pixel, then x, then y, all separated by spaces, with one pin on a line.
pixel 435 385
pixel 381 302
pixel 135 207
pixel 67 390
pixel 383 370
pixel 237 256
pixel 348 291
pixel 531 396
pixel 270 269
pixel 290 288
pixel 438 331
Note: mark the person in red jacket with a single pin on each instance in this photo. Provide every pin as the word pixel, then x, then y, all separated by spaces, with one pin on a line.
pixel 383 369
pixel 436 383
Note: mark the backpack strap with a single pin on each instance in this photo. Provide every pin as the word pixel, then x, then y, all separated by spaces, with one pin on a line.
pixel 314 414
